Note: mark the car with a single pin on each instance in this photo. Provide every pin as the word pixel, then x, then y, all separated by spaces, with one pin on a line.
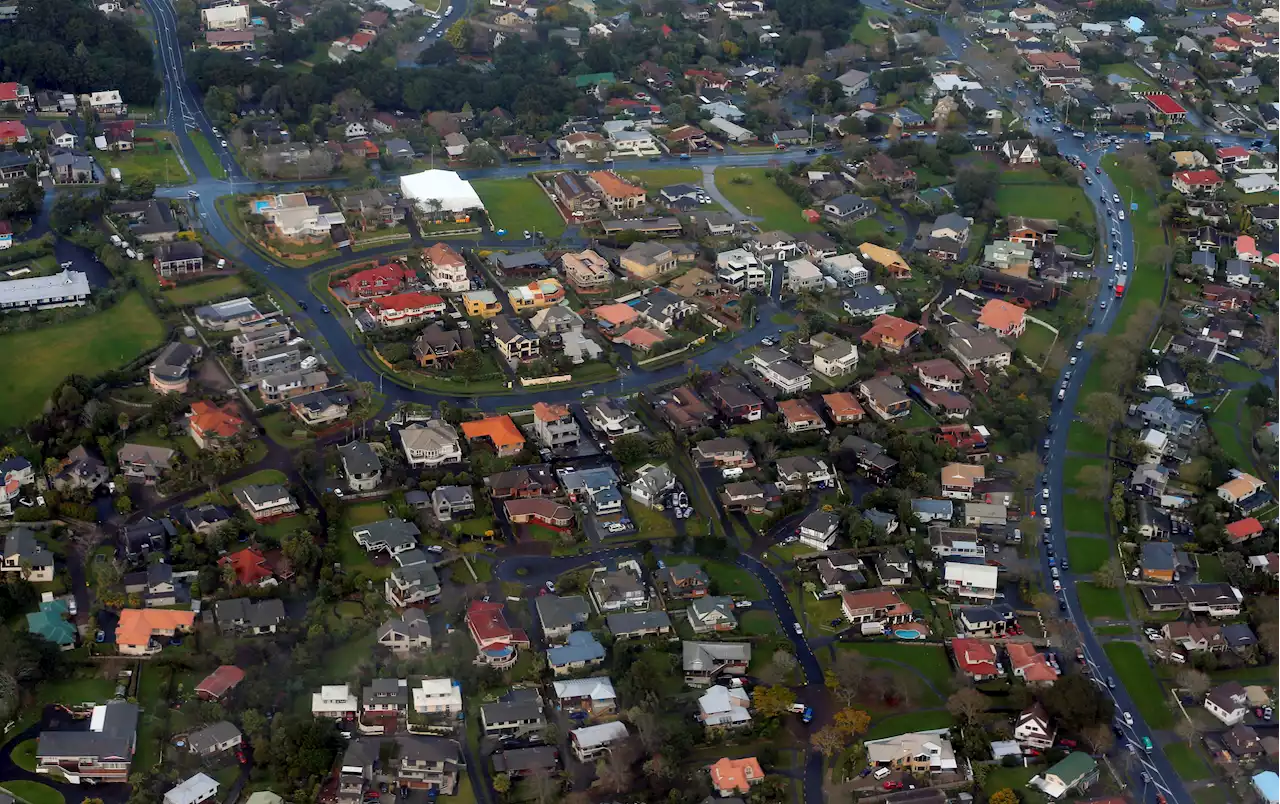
pixel 1098 170
pixel 422 38
pixel 1044 510
pixel 1111 682
pixel 588 393
pixel 807 715
pixel 383 787
pixel 1066 565
pixel 797 628
pixel 1054 572
pixel 435 549
pixel 1057 586
pixel 224 144
pixel 100 636
pixel 1146 744
pixel 1074 360
pixel 372 795
pixel 175 641
pixel 1051 560
pixel 526 234
pixel 1079 345
pixel 324 308
pixel 1268 713
pixel 1046 492
pixel 1104 304
pixel 1109 213
pixel 1088 180
pixel 1047 443
pixel 241 758
pixel 551 587
pixel 192 194
pixel 1062 604
pixel 302 305
pixel 1120 214
pixel 766 341
pixel 1115 198
pixel 1048 523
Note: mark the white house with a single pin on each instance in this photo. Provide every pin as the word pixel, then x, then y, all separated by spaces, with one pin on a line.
pixel 1227 702
pixel 193 791
pixel 977 581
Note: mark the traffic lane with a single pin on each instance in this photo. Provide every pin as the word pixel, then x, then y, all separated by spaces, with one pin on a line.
pixel 786 615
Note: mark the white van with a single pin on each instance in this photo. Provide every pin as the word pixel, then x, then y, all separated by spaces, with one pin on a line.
pixel 880 773
pixel 731 472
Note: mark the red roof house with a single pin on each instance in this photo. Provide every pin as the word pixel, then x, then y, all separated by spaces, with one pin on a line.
pixel 219 682
pixel 249 566
pixel 1165 105
pixel 1189 182
pixel 11 131
pixel 495 639
pixel 975 658
pixel 405 308
pixel 377 281
pixel 1243 530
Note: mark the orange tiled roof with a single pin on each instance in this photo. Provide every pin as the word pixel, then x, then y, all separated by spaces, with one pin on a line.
pixel 1001 315
pixel 547 412
pixel 843 404
pixel 137 626
pixel 613 186
pixel 642 338
pixel 210 419
pixel 892 327
pixel 730 775
pixel 616 314
pixel 501 430
pixel 442 254
pixel 795 410
pixel 249 566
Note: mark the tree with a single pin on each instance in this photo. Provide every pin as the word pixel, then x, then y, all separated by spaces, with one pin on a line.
pixel 966 704
pixel 467 364
pixel 852 722
pixel 1024 466
pixel 1102 410
pixel 1093 481
pixel 630 449
pixel 479 154
pixel 828 741
pixel 1077 703
pixel 1099 737
pixel 772 701
pixel 502 783
pixel 1110 575
pixel 1195 682
pixel 1004 796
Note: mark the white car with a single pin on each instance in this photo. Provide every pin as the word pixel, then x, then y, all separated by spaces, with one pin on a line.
pixel 1128 719
pixel 1057 586
pixel 422 38
pixel 1048 524
pixel 1079 345
pixel 1111 258
pixel 224 143
pixel 1074 360
pixel 796 627
pixel 1115 198
pixel 1120 214
pixel 1044 510
pixel 1046 492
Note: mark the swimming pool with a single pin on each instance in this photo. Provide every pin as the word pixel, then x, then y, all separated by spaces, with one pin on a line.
pixel 259 206
pixel 907 633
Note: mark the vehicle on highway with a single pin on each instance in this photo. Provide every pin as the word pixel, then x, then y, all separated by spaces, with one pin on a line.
pixel 1079 345
pixel 324 308
pixel 1115 198
pixel 796 627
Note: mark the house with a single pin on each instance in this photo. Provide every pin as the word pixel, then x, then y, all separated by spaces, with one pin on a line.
pixel 1241 489
pixel 555 426
pixel 50 622
pixel 242 615
pixel 801 472
pixel 399 309
pixel 1227 702
pixel 722 708
pixel 891 261
pixel 412 581
pixel 874 606
pixel 448 501
pixel 580 651
pixel 647 259
pixel 482 304
pixel 843 407
pixel 663 309
pixel 959 479
pixel 1243 530
pixel 893 567
pixel 426 763
pixel 939 374
pixel 1160 561
pixel 1030 665
pixel 430 443
pixel 496 641
pixel 178 259
pixel 390 536
pixel 651 485
pixel 976 659
pixel 103 752
pixel 380 280
pixel 684 581
pixel 1195 637
pixel 705 662
pixel 983 513
pixel 143 462
pixel 803 276
pixel 853 81
pixel 619 589
pixel 1003 318
pixel 149 535
pixel 892 334
pixel 407 634
pixel 895 173
pixel 438 696
pixel 976 349
pixel 360 465
pixel 266 502
pixel 335 701
pixel 619 195
pixel 594 695
pixel 1078 771
pixel 139 631
pixel 218 684
pixel 587 271
pixel 885 396
pixel 592 742
pixel 1032 729
pixel 214 739
pixel 846 268
pixel 818 530
pixel 1193 182
pixel 777 369
pixel 611 420
pixel 724 452
pixel 437 347
pixel 683 409
pixel 975 581
pixel 635 624
pixel 197 789
pixel 523 482
pixel 922 752
pixel 560 616
pixel 536 295
pixel 736 403
pixel 848 208
pixel 1243 743
pixel 731 777
pixel 711 613
pixel 927 509
pixel 211 426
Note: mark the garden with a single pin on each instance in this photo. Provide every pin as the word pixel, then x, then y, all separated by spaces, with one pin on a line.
pixel 754 193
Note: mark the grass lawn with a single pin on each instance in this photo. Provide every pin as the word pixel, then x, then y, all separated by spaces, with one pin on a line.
pixel 1035 343
pixel 24 755
pixel 201 292
pixel 1085 516
pixel 929 661
pixel 754 193
pixel 1223 424
pixel 210 159
pixel 1087 555
pixel 1231 371
pixel 753 623
pixel 33 792
pixel 1048 200
pixel 1211 795
pixel 1015 779
pixel 1186 761
pixel 863 33
pixel 918 418
pixel 161 166
pixel 260 478
pixel 519 204
pixel 1210 569
pixel 911 721
pixel 650 524
pixel 363 514
pixel 1113 630
pixel 1134 672
pixel 1100 603
pixel 819 614
pixel 782 319
pixel 1129 70
pixel 281 426
pixel 1083 438
pixel 733 581
pixel 342 661
pixel 1146 279
pixel 654 180
pixel 34 362
pixel 1071 469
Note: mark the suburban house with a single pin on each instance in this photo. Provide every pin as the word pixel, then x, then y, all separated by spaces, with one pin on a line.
pixel 430 443
pixel 408 634
pixel 266 502
pixel 1033 728
pixel 706 662
pixel 882 606
pixel 734 777
pixel 922 752
pixel 1077 772
pixel 102 753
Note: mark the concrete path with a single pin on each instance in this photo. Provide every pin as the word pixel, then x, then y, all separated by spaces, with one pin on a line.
pixel 709 184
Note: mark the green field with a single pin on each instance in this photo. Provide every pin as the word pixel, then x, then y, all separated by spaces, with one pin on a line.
pixel 929 661
pixel 911 721
pixel 1136 676
pixel 1186 762
pixel 1042 200
pixel 517 205
pixel 753 192
pixel 34 362
pixel 24 755
pixel 863 33
pixel 161 166
pixel 33 792
pixel 759 623
pixel 1035 343
pixel 205 148
pixel 1084 516
pixel 1223 424
pixel 1129 70
pixel 654 180
pixel 1236 372
pixel 1100 603
pixel 1071 469
pixel 1087 555
pixel 202 292
pixel 1083 438
pixel 1209 569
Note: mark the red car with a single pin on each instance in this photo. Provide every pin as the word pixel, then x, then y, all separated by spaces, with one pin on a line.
pixel 893 785
pixel 1098 170
pixel 241 757
pixel 1068 743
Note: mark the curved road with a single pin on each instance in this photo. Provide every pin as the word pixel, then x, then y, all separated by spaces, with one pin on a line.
pixel 185 115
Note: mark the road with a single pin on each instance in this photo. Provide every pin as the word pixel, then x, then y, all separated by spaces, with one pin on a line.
pixel 185 115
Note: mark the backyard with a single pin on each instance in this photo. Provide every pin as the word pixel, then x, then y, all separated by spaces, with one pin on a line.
pixel 863 33
pixel 161 164
pixel 34 362
pixel 1187 762
pixel 1035 342
pixel 1224 422
pixel 654 180
pixel 754 193
pixel 930 661
pixel 204 292
pixel 1136 676
pixel 517 205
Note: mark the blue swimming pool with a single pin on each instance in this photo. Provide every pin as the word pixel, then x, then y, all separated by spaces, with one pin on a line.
pixel 259 206
pixel 907 633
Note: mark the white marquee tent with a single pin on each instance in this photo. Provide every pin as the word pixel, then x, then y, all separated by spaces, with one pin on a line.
pixel 454 194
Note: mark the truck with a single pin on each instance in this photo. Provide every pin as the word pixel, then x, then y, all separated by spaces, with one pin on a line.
pixel 1152 136
pixel 1121 279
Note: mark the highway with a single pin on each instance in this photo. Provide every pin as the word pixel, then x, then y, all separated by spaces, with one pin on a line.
pixel 185 115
